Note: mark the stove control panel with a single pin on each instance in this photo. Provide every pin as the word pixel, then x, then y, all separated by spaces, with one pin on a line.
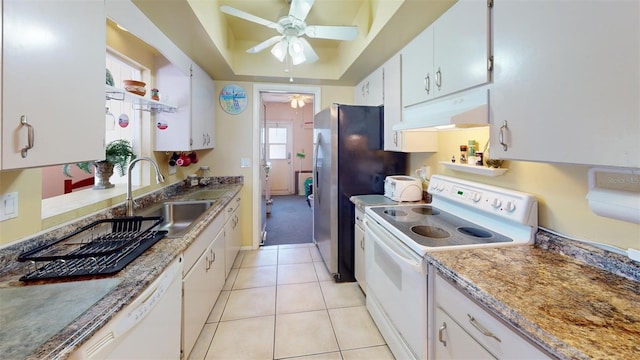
pixel 508 204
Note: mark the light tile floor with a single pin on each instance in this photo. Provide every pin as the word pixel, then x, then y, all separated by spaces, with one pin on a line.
pixel 280 302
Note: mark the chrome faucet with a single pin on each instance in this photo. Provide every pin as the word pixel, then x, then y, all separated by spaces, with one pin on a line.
pixel 129 199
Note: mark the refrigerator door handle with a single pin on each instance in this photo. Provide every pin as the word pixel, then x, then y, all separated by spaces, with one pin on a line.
pixel 316 183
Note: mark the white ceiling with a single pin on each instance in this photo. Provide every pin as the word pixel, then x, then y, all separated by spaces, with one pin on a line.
pixel 218 42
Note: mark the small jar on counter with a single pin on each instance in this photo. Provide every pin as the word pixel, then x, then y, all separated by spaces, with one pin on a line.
pixel 479 159
pixel 463 154
pixel 192 180
pixel 205 176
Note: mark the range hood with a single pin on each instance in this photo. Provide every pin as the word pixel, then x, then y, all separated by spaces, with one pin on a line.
pixel 466 110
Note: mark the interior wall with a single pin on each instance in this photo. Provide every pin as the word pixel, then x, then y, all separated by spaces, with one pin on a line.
pixel 560 189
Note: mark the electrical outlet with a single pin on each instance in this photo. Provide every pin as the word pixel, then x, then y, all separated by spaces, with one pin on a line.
pixel 8 206
pixel 245 162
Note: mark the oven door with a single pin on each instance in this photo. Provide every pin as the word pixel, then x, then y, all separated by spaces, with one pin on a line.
pixel 396 291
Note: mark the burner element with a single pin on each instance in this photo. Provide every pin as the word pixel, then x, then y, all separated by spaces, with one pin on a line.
pixel 395 213
pixel 430 231
pixel 425 210
pixel 475 232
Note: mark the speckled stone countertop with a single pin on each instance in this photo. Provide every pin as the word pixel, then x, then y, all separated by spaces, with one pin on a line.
pixel 133 279
pixel 572 299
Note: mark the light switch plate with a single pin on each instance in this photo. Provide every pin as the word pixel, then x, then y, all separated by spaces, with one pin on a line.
pixel 245 162
pixel 8 206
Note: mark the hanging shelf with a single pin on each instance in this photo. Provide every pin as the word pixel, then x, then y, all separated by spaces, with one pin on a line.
pixel 475 169
pixel 138 102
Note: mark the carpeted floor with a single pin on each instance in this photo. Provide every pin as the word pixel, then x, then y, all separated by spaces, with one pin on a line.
pixel 290 221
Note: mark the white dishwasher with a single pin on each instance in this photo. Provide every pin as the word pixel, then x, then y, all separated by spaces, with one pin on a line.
pixel 148 328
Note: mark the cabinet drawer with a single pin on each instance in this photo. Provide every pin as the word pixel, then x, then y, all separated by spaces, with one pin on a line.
pixel 231 207
pixel 499 339
pixel 201 243
pixel 452 342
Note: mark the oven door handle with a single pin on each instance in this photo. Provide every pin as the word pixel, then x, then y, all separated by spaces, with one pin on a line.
pixel 398 251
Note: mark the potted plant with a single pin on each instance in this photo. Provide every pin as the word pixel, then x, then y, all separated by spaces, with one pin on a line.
pixel 118 154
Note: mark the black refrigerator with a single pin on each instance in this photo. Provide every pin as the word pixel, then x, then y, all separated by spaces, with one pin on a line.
pixel 348 160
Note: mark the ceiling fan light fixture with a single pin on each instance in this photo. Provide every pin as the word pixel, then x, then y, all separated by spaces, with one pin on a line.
pixel 296 50
pixel 279 50
pixel 297 102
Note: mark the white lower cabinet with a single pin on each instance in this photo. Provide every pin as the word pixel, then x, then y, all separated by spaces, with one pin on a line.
pixel 232 233
pixel 359 248
pixel 464 330
pixel 202 282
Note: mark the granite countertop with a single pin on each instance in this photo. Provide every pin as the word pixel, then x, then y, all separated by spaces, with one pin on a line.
pixel 553 295
pixel 124 287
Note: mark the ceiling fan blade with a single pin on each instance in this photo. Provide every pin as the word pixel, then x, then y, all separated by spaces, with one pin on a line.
pixel 309 55
pixel 332 32
pixel 265 44
pixel 246 16
pixel 300 8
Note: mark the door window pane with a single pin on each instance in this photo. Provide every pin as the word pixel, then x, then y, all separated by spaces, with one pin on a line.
pixel 278 135
pixel 277 151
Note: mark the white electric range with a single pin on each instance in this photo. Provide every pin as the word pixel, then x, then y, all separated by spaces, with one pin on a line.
pixel 462 215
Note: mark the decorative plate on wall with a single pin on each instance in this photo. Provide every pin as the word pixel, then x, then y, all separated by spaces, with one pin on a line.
pixel 233 99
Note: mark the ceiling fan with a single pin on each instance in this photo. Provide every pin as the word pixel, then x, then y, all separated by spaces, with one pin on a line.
pixel 291 28
pixel 298 100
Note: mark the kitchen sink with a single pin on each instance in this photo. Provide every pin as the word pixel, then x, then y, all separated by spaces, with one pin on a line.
pixel 178 215
pixel 206 194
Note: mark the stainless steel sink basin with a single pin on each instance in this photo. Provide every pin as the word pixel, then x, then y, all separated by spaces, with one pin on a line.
pixel 178 215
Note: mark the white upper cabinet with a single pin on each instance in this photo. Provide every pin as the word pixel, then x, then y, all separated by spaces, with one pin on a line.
pixel 449 56
pixel 392 81
pixel 418 81
pixel 53 82
pixel 181 82
pixel 191 127
pixel 567 82
pixel 203 102
pixel 370 90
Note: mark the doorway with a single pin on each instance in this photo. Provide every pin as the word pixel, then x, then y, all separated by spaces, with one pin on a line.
pixel 298 155
pixel 278 144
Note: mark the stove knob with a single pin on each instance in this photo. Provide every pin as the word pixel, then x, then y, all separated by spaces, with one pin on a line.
pixel 496 203
pixel 476 197
pixel 511 206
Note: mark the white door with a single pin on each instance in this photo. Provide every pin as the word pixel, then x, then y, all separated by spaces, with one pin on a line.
pixel 278 140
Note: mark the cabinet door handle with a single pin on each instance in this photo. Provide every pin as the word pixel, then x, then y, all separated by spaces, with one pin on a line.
pixel 395 138
pixel 441 334
pixel 30 136
pixel 427 83
pixel 439 79
pixel 503 129
pixel 481 328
